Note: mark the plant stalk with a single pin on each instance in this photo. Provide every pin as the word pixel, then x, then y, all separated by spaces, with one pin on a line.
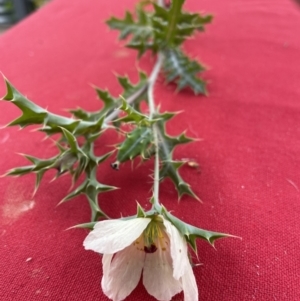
pixel 152 109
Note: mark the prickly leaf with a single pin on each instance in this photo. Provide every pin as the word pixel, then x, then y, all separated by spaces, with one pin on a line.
pixel 184 71
pixel 141 30
pixel 137 143
pixel 170 167
pixel 173 26
pixel 191 233
pixel 52 123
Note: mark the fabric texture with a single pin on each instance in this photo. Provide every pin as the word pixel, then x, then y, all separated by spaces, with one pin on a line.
pixel 248 176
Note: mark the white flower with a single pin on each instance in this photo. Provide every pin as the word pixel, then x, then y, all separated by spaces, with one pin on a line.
pixel 152 245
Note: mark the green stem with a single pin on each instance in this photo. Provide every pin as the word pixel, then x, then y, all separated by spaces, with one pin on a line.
pixel 152 109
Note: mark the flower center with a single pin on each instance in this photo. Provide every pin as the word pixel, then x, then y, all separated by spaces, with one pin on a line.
pixel 153 238
pixel 154 235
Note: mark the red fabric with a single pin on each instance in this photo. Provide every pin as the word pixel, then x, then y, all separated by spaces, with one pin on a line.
pixel 249 158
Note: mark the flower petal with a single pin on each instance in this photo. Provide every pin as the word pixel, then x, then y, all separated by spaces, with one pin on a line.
pixel 178 250
pixel 111 236
pixel 123 273
pixel 190 289
pixel 158 275
pixel 106 261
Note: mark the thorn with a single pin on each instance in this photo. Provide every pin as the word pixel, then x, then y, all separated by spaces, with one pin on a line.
pixel 197 139
pixel 116 74
pixel 54 178
pixel 198 199
pixel 21 154
pixel 72 185
pixel 212 244
pixel 70 228
pixel 35 191
pixel 60 202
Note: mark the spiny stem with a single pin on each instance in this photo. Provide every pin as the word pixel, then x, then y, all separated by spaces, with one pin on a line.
pixel 152 109
pixel 156 169
pixel 151 83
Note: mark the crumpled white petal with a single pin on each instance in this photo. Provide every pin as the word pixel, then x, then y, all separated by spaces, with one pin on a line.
pixel 178 250
pixel 158 274
pixel 111 236
pixel 189 285
pixel 122 274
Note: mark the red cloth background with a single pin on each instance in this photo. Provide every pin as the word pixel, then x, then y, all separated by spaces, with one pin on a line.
pixel 249 156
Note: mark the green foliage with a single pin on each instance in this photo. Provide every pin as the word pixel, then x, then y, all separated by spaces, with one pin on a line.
pixel 135 92
pixel 173 26
pixel 52 123
pixel 137 143
pixel 165 30
pixel 133 116
pixel 40 166
pixel 77 159
pixel 180 68
pixel 158 30
pixel 72 157
pixel 162 31
pixel 169 167
pixel 191 233
pixel 141 30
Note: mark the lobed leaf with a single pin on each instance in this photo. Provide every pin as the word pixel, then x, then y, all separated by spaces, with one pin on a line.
pixel 137 143
pixel 72 157
pixel 169 167
pixel 52 123
pixel 173 26
pixel 180 68
pixel 141 30
pixel 133 115
pixel 191 233
pixel 135 92
pixel 91 188
pixel 158 30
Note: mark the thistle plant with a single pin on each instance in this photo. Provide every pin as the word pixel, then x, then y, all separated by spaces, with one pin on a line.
pixel 154 242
